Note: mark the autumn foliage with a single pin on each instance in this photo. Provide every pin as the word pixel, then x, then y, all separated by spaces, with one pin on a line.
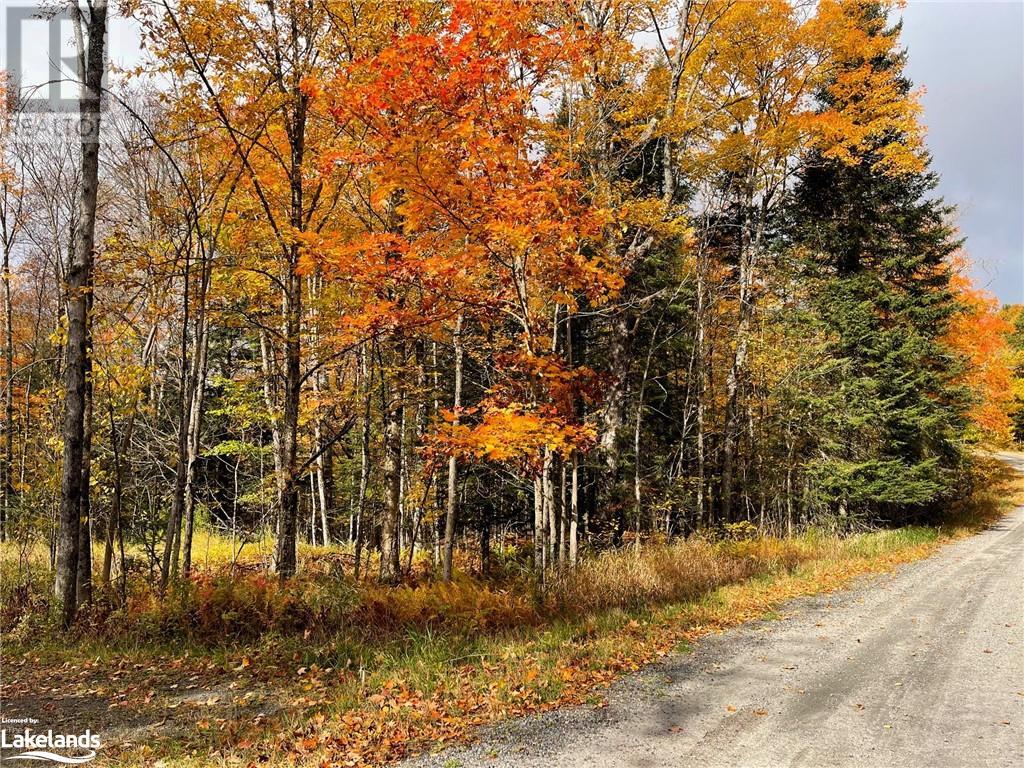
pixel 492 316
pixel 980 334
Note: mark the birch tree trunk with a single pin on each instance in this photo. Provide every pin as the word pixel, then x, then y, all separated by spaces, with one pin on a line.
pixel 195 423
pixel 393 409
pixel 613 415
pixel 549 526
pixel 538 527
pixel 739 362
pixel 574 497
pixel 449 521
pixel 364 459
pixel 703 515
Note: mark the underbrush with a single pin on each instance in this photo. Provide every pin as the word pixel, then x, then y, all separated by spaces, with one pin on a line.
pixel 232 605
pixel 231 599
pixel 371 672
pixel 227 606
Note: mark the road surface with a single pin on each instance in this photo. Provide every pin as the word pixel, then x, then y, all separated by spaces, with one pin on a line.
pixel 922 667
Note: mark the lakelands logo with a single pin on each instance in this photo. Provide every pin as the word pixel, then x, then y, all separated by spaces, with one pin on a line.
pixel 81 747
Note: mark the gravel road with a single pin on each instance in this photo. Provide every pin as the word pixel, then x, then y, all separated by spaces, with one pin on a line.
pixel 922 667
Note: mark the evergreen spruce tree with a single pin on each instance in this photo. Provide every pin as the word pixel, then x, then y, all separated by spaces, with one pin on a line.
pixel 876 246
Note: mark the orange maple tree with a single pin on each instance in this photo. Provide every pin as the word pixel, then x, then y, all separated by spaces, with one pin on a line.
pixel 979 332
pixel 468 214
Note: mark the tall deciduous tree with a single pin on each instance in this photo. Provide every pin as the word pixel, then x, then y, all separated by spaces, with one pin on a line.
pixel 90 21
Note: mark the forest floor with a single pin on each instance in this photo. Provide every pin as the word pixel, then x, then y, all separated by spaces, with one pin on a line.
pixel 415 687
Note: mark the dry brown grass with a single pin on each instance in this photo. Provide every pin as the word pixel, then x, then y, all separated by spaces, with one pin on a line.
pixel 666 573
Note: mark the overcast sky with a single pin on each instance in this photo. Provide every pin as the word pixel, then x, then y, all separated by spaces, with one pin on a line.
pixel 969 56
